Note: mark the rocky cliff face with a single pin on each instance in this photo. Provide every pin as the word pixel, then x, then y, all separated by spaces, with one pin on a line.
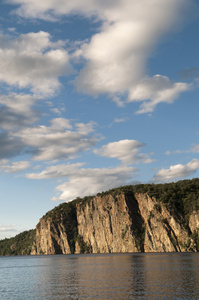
pixel 105 225
pixel 56 231
pixel 51 238
pixel 123 222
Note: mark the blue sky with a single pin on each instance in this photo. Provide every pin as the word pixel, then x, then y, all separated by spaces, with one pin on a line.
pixel 94 95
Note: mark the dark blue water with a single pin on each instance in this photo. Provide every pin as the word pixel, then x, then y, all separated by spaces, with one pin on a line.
pixel 102 276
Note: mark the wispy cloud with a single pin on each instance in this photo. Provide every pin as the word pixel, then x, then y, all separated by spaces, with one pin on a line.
pixel 57 141
pixel 118 121
pixel 14 167
pixel 56 171
pixel 5 228
pixel 83 182
pixel 189 74
pixel 193 149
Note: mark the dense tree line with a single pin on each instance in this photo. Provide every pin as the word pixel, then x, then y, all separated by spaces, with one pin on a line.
pixel 21 244
pixel 181 197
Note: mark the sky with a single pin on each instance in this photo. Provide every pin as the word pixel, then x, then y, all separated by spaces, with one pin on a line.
pixel 94 94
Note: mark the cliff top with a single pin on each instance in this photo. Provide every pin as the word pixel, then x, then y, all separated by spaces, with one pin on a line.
pixel 181 197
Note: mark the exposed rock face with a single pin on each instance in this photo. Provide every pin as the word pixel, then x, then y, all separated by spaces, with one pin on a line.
pixel 194 221
pixel 56 230
pixel 117 223
pixel 51 238
pixel 105 225
pixel 164 233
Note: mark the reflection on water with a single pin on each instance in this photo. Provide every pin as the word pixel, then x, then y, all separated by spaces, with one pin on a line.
pixel 102 276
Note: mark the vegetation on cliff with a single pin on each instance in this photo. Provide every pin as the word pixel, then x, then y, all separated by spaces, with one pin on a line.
pixel 66 214
pixel 180 198
pixel 21 244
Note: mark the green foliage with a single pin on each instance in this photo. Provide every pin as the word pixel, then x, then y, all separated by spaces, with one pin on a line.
pixel 158 207
pixel 84 248
pixel 66 215
pixel 21 244
pixel 124 231
pixel 140 236
pixel 180 198
pixel 195 238
pixel 192 243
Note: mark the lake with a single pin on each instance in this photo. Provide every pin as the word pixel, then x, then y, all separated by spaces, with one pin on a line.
pixel 100 276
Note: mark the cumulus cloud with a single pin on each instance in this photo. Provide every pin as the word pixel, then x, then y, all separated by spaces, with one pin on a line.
pixel 157 89
pixel 125 150
pixel 14 167
pixel 177 171
pixel 83 182
pixel 115 57
pixel 91 181
pixel 33 61
pixel 50 10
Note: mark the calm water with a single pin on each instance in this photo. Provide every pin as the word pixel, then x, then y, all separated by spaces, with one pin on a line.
pixel 103 276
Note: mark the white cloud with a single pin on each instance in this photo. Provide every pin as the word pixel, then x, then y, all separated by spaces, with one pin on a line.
pixel 4 228
pixel 56 111
pixel 157 89
pixel 91 181
pixel 33 61
pixel 121 120
pixel 177 171
pixel 111 9
pixel 16 110
pixel 125 150
pixel 57 171
pixel 116 56
pixel 14 167
pixel 84 182
pixel 19 103
pixel 49 10
pixel 60 140
pixel 61 123
pixel 195 148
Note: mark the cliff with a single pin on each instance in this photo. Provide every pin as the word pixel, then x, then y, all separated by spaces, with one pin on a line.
pixel 56 231
pixel 141 218
pixel 122 220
